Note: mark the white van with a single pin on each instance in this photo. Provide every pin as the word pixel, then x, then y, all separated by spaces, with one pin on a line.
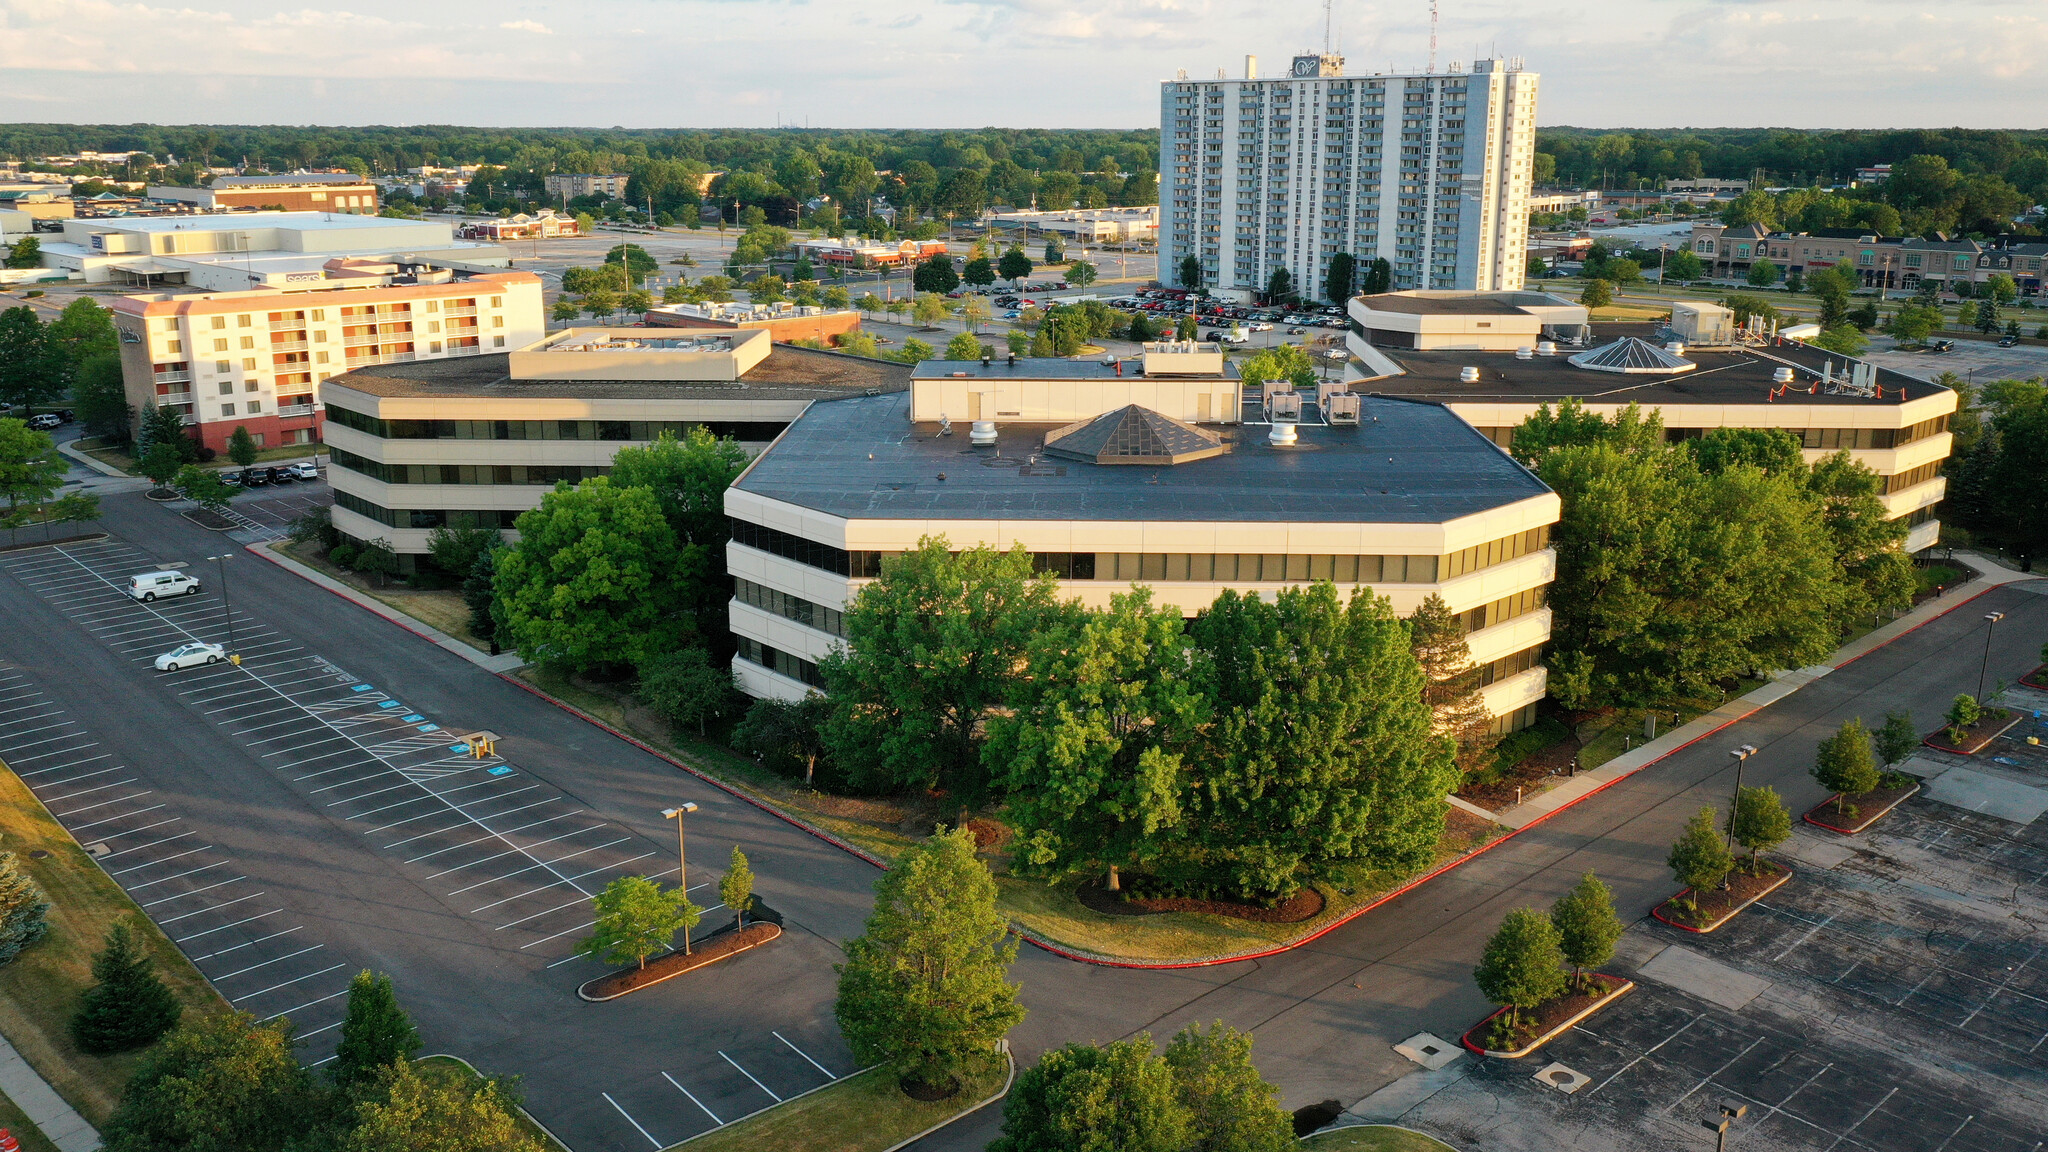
pixel 150 585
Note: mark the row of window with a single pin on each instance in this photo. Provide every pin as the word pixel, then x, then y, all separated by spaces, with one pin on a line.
pixel 1495 552
pixel 1504 609
pixel 1512 664
pixel 623 431
pixel 776 660
pixel 1829 439
pixel 428 517
pixel 466 473
pixel 1900 481
pixel 789 607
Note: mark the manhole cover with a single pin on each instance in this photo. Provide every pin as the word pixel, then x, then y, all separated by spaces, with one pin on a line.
pixel 39 854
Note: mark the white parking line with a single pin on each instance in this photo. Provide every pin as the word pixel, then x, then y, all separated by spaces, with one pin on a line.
pixel 53 752
pixel 467 816
pixel 122 816
pixel 266 963
pixel 195 891
pixel 635 1123
pixel 750 1076
pixel 288 983
pixel 531 867
pixel 165 860
pixel 481 839
pixel 87 776
pixel 805 1055
pixel 693 1100
pixel 248 944
pixel 204 911
pixel 41 728
pixel 308 1004
pixel 101 804
pixel 175 876
pixel 151 844
pixel 307 760
pixel 66 764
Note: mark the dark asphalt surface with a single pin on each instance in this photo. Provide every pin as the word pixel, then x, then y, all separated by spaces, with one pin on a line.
pixel 1325 1015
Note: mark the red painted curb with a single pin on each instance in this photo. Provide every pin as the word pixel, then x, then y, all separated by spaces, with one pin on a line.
pixel 1920 625
pixel 1623 988
pixel 1865 825
pixel 1732 913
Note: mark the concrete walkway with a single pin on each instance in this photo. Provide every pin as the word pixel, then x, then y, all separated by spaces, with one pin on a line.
pixel 57 1121
pixel 504 663
pixel 70 448
pixel 1989 575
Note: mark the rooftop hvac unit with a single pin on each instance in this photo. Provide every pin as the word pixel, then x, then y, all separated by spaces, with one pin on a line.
pixel 1271 388
pixel 1341 408
pixel 982 432
pixel 1468 375
pixel 1283 406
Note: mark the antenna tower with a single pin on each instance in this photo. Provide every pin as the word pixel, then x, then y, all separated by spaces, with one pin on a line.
pixel 1432 37
pixel 1326 27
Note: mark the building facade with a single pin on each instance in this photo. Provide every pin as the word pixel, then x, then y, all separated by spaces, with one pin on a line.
pixel 291 192
pixel 224 252
pixel 258 360
pixel 1431 172
pixel 783 321
pixel 569 185
pixel 1893 263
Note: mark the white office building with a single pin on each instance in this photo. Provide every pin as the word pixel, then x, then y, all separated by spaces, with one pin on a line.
pixel 1430 171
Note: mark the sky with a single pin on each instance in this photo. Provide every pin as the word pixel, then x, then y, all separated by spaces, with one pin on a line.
pixel 1006 63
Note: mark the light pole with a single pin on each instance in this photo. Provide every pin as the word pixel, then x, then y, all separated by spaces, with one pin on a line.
pixel 682 864
pixel 1740 754
pixel 1991 621
pixel 1729 1115
pixel 220 566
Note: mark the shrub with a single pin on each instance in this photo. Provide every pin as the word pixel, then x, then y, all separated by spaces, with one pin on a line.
pixel 1698 858
pixel 342 555
pixel 1964 712
pixel 24 910
pixel 1845 765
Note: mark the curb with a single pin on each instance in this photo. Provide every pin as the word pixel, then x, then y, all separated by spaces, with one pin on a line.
pixel 1874 818
pixel 377 608
pixel 87 538
pixel 559 1143
pixel 1007 1082
pixel 1979 746
pixel 1624 988
pixel 1349 1127
pixel 1732 912
pixel 589 999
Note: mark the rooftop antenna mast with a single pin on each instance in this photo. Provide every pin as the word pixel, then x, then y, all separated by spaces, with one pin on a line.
pixel 1326 27
pixel 1432 37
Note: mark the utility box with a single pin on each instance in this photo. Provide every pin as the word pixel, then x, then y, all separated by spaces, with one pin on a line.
pixel 1697 322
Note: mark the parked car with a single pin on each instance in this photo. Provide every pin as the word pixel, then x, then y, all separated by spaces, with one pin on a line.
pixel 44 421
pixel 231 478
pixel 255 477
pixel 281 475
pixel 306 470
pixel 2008 341
pixel 1297 330
pixel 187 655
pixel 147 586
pixel 1941 346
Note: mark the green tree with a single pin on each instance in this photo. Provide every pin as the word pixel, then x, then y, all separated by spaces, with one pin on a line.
pixel 1622 271
pixel 869 302
pixel 223 1082
pixel 637 917
pixel 1279 286
pixel 1090 750
pixel 1451 683
pixel 785 734
pixel 2002 288
pixel 457 550
pixel 406 1109
pixel 1184 328
pixel 1842 339
pixel 1963 712
pixel 1014 265
pixel 979 271
pixel 1340 278
pixel 565 310
pixel 82 331
pixel 736 887
pixel 480 596
pixel 1586 926
pixel 591 580
pixel 1523 964
pixel 32 368
pixel 1362 778
pixel 242 446
pixel 1987 317
pixel 929 309
pixel 160 463
pixel 1055 251
pixel 1759 821
pixel 639 300
pixel 933 648
pixel 1379 277
pixel 24 910
pixel 925 986
pixel 1699 858
pixel 127 1007
pixel 964 346
pixel 1684 267
pixel 1190 271
pixel 1745 306
pixel 375 1034
pixel 1844 763
pixel 1898 738
pixel 600 302
pixel 684 687
pixel 100 397
pixel 935 275
pixel 1834 286
pixel 637 263
pixel 26 252
pixel 1875 574
pixel 1230 1106
pixel 377 558
pixel 204 487
pixel 1597 294
pixel 1913 324
pixel 1289 362
pixel 1080 273
pixel 1117 1097
pixel 689 476
pixel 30 468
pixel 1763 274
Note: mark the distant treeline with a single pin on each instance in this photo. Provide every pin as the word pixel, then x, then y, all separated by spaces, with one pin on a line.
pixel 1619 158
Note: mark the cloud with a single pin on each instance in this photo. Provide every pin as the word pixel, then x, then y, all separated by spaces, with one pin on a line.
pixel 533 26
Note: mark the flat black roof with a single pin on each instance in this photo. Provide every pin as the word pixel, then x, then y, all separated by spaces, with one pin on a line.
pixel 787 374
pixel 1723 377
pixel 1406 463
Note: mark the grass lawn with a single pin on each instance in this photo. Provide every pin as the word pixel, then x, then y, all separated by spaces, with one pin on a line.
pixel 1622 730
pixel 1926 579
pixel 31 1137
pixel 1374 1138
pixel 437 608
pixel 39 988
pixel 862 1113
pixel 126 463
pixel 451 1069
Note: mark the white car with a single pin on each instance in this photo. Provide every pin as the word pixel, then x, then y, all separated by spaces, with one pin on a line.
pixel 305 470
pixel 186 655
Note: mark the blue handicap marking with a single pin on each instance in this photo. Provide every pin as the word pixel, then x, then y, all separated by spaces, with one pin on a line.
pixel 428 728
pixel 500 770
pixel 389 704
pixel 414 718
pixel 458 747
pixel 360 688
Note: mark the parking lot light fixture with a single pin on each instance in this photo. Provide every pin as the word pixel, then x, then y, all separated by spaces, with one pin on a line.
pixel 1741 756
pixel 1991 620
pixel 220 566
pixel 682 862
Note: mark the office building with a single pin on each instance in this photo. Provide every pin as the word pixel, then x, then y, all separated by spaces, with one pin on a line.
pixel 1430 172
pixel 1701 374
pixel 1136 472
pixel 570 185
pixel 258 359
pixel 290 192
pixel 474 441
pixel 1083 225
pixel 1893 263
pixel 241 251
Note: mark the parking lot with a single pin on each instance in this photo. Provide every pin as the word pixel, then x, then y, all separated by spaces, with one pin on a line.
pixel 1892 998
pixel 340 783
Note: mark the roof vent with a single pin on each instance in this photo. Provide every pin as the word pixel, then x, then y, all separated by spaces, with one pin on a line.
pixel 1468 375
pixel 1546 348
pixel 1282 435
pixel 982 432
pixel 1675 347
pixel 1782 376
pixel 1525 353
pixel 958 375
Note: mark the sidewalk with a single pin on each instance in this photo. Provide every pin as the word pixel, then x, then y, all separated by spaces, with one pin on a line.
pixel 57 1121
pixel 70 448
pixel 440 639
pixel 1989 575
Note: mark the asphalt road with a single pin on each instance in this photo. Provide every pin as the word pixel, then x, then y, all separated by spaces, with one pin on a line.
pixel 465 884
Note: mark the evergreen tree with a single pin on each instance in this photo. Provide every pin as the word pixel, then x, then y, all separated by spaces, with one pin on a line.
pixel 1231 1108
pixel 1844 764
pixel 1279 286
pixel 1379 277
pixel 1897 739
pixel 1699 858
pixel 1522 965
pixel 1338 282
pixel 1190 271
pixel 736 887
pixel 1586 926
pixel 1450 682
pixel 479 597
pixel 1118 1097
pixel 24 910
pixel 221 1084
pixel 1759 821
pixel 375 1034
pixel 924 988
pixel 127 1006
pixel 163 425
pixel 242 446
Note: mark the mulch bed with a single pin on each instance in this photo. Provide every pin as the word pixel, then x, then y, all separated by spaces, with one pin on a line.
pixel 1528 774
pixel 164 495
pixel 1305 904
pixel 2038 678
pixel 1864 809
pixel 1976 736
pixel 929 1093
pixel 211 521
pixel 27 544
pixel 1546 1021
pixel 674 964
pixel 1718 907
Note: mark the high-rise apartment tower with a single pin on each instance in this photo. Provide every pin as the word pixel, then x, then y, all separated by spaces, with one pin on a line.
pixel 1430 171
